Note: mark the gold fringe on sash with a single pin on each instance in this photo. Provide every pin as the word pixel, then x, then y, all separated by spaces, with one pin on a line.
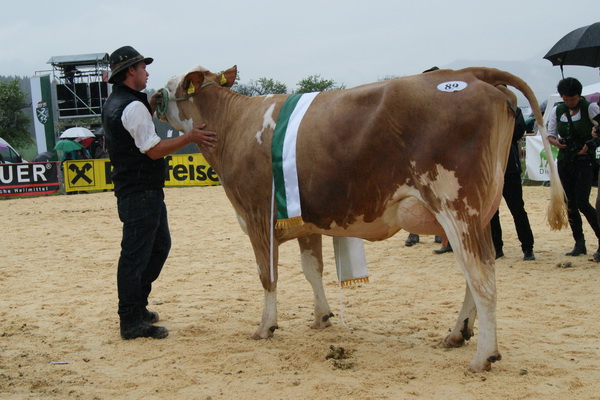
pixel 354 281
pixel 289 223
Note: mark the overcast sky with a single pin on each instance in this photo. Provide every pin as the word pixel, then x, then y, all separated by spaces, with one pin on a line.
pixel 352 42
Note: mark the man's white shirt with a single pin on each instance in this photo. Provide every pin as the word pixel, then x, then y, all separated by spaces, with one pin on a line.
pixel 138 122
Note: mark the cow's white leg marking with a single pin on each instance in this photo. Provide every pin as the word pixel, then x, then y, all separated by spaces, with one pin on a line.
pixel 268 323
pixel 463 330
pixel 474 252
pixel 312 266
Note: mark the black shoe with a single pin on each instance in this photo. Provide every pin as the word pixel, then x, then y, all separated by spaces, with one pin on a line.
pixel 149 317
pixel 443 250
pixel 596 257
pixel 142 330
pixel 412 239
pixel 438 239
pixel 499 253
pixel 577 250
pixel 528 255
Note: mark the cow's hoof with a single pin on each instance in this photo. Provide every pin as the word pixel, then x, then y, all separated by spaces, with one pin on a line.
pixel 326 317
pixel 322 323
pixel 486 365
pixel 262 333
pixel 452 343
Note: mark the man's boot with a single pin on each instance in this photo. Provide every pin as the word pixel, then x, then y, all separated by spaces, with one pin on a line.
pixel 133 326
pixel 149 317
pixel 411 240
pixel 578 249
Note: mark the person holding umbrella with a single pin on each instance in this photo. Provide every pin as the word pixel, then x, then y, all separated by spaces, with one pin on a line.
pixel 136 153
pixel 570 129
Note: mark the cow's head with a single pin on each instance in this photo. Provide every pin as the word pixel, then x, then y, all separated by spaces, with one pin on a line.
pixel 182 94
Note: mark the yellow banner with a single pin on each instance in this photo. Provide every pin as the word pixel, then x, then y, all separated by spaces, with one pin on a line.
pixel 95 174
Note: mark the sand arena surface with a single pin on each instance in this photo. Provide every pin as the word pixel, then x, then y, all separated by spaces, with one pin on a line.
pixel 59 334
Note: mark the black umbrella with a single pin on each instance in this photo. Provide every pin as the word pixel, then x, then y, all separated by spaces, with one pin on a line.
pixel 580 47
pixel 43 157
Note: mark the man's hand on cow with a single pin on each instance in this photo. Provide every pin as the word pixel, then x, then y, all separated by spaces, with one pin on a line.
pixel 204 139
pixel 154 100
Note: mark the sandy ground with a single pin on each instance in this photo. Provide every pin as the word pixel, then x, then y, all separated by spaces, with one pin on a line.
pixel 59 335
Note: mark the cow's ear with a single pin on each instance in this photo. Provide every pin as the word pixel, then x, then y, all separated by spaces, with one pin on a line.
pixel 192 83
pixel 228 77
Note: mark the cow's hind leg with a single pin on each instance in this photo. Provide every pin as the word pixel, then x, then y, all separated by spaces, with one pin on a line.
pixel 312 264
pixel 474 251
pixel 463 330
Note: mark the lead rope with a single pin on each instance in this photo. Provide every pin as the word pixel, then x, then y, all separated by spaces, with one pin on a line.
pixel 161 107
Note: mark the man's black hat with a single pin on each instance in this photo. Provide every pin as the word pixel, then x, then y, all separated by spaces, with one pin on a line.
pixel 124 57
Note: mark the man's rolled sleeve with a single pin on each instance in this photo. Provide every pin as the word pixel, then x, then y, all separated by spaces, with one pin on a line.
pixel 551 130
pixel 138 122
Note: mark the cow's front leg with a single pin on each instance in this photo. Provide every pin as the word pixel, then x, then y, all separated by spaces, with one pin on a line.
pixel 268 322
pixel 268 278
pixel 311 256
pixel 463 330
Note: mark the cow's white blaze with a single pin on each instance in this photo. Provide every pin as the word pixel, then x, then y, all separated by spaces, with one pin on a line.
pixel 187 124
pixel 268 123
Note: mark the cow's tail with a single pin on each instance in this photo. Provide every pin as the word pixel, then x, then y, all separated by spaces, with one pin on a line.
pixel 557 209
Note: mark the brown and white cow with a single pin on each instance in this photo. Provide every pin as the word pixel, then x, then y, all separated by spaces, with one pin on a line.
pixel 371 160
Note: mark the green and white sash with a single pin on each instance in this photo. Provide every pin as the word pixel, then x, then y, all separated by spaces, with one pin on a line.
pixel 351 262
pixel 285 175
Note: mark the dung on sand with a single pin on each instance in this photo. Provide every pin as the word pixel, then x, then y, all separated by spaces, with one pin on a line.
pixel 59 335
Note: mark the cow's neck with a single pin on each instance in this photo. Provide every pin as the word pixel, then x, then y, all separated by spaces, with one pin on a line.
pixel 230 114
pixel 219 106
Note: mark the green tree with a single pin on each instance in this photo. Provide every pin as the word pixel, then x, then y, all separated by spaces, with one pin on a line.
pixel 14 122
pixel 260 87
pixel 315 83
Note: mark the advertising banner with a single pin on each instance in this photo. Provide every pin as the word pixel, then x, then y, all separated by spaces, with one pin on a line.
pixel 536 159
pixel 29 178
pixel 95 174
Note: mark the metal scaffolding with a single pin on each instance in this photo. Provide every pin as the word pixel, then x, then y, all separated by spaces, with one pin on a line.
pixel 81 84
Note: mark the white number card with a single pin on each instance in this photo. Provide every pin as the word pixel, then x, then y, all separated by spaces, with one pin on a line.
pixel 453 86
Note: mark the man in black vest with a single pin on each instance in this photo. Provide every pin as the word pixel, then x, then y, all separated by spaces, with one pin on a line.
pixel 136 153
pixel 570 129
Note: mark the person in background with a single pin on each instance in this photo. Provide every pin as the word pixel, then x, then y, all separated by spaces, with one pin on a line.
pixel 570 129
pixel 136 153
pixel 413 239
pixel 446 247
pixel 513 195
pixel 593 144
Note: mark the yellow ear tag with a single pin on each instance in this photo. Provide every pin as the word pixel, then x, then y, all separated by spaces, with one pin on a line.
pixel 191 89
pixel 223 79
